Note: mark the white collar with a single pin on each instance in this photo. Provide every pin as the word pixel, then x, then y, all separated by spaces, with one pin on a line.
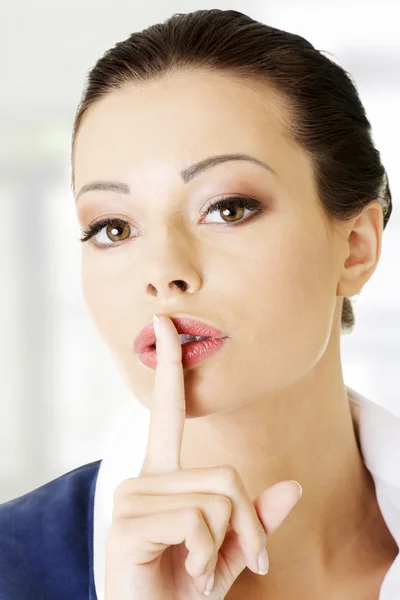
pixel 379 435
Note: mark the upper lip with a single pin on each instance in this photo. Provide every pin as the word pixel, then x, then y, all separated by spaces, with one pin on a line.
pixel 188 325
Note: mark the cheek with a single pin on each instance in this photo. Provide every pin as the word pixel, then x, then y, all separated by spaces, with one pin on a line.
pixel 106 293
pixel 287 300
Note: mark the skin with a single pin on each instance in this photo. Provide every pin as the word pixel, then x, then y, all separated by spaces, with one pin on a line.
pixel 272 402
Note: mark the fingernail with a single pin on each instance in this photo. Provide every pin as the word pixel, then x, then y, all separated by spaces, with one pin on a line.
pixel 263 563
pixel 300 488
pixel 156 325
pixel 209 585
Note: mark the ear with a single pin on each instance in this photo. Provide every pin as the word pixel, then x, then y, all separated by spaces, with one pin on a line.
pixel 363 249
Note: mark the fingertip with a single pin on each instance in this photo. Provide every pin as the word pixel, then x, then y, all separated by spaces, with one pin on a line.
pixel 156 325
pixel 299 490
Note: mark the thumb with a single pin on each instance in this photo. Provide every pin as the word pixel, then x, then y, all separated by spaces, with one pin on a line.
pixel 273 505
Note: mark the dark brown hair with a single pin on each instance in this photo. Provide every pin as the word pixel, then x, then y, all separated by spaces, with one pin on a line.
pixel 326 116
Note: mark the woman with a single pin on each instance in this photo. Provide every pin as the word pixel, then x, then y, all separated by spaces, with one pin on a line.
pixel 224 172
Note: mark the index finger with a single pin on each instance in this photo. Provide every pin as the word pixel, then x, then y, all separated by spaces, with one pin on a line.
pixel 168 407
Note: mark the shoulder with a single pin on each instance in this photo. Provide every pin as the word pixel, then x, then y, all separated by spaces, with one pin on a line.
pixel 378 436
pixel 44 538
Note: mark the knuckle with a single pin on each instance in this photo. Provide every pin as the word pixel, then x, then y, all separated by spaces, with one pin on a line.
pixel 125 488
pixel 116 513
pixel 228 474
pixel 220 504
pixel 194 516
pixel 119 492
pixel 126 506
pixel 116 533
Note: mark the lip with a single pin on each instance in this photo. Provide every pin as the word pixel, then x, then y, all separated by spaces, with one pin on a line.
pixel 147 337
pixel 192 353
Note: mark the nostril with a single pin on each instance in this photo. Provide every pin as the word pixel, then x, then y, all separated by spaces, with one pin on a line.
pixel 182 285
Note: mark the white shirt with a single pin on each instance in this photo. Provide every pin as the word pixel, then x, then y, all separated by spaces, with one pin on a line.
pixel 379 434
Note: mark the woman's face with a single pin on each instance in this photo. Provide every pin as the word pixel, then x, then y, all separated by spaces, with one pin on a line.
pixel 266 278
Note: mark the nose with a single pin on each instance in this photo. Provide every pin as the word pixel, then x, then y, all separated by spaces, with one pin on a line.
pixel 176 283
pixel 175 286
pixel 173 255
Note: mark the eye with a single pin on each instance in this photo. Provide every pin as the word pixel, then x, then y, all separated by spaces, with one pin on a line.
pixel 234 207
pixel 116 230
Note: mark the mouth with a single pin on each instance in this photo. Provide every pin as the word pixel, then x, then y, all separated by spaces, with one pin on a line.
pixel 195 349
pixel 189 330
pixel 184 338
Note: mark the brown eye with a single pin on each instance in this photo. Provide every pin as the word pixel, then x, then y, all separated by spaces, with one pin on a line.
pixel 233 208
pixel 117 232
pixel 233 213
pixel 107 231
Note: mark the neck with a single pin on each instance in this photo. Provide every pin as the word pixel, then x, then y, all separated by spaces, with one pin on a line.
pixel 304 433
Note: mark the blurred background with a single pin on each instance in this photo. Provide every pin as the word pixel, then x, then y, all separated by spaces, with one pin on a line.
pixel 61 395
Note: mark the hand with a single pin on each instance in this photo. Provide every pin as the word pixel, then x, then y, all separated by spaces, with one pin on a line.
pixel 173 528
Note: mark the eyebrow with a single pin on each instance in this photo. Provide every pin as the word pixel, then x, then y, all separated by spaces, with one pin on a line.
pixel 186 174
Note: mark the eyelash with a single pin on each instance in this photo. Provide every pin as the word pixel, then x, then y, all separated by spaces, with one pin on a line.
pixel 232 202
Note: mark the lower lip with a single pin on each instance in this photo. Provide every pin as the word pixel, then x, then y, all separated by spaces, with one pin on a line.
pixel 192 353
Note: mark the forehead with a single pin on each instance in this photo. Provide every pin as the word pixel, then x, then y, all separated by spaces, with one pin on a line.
pixel 169 122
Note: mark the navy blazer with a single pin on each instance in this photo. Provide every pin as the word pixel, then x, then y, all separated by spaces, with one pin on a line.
pixel 46 540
